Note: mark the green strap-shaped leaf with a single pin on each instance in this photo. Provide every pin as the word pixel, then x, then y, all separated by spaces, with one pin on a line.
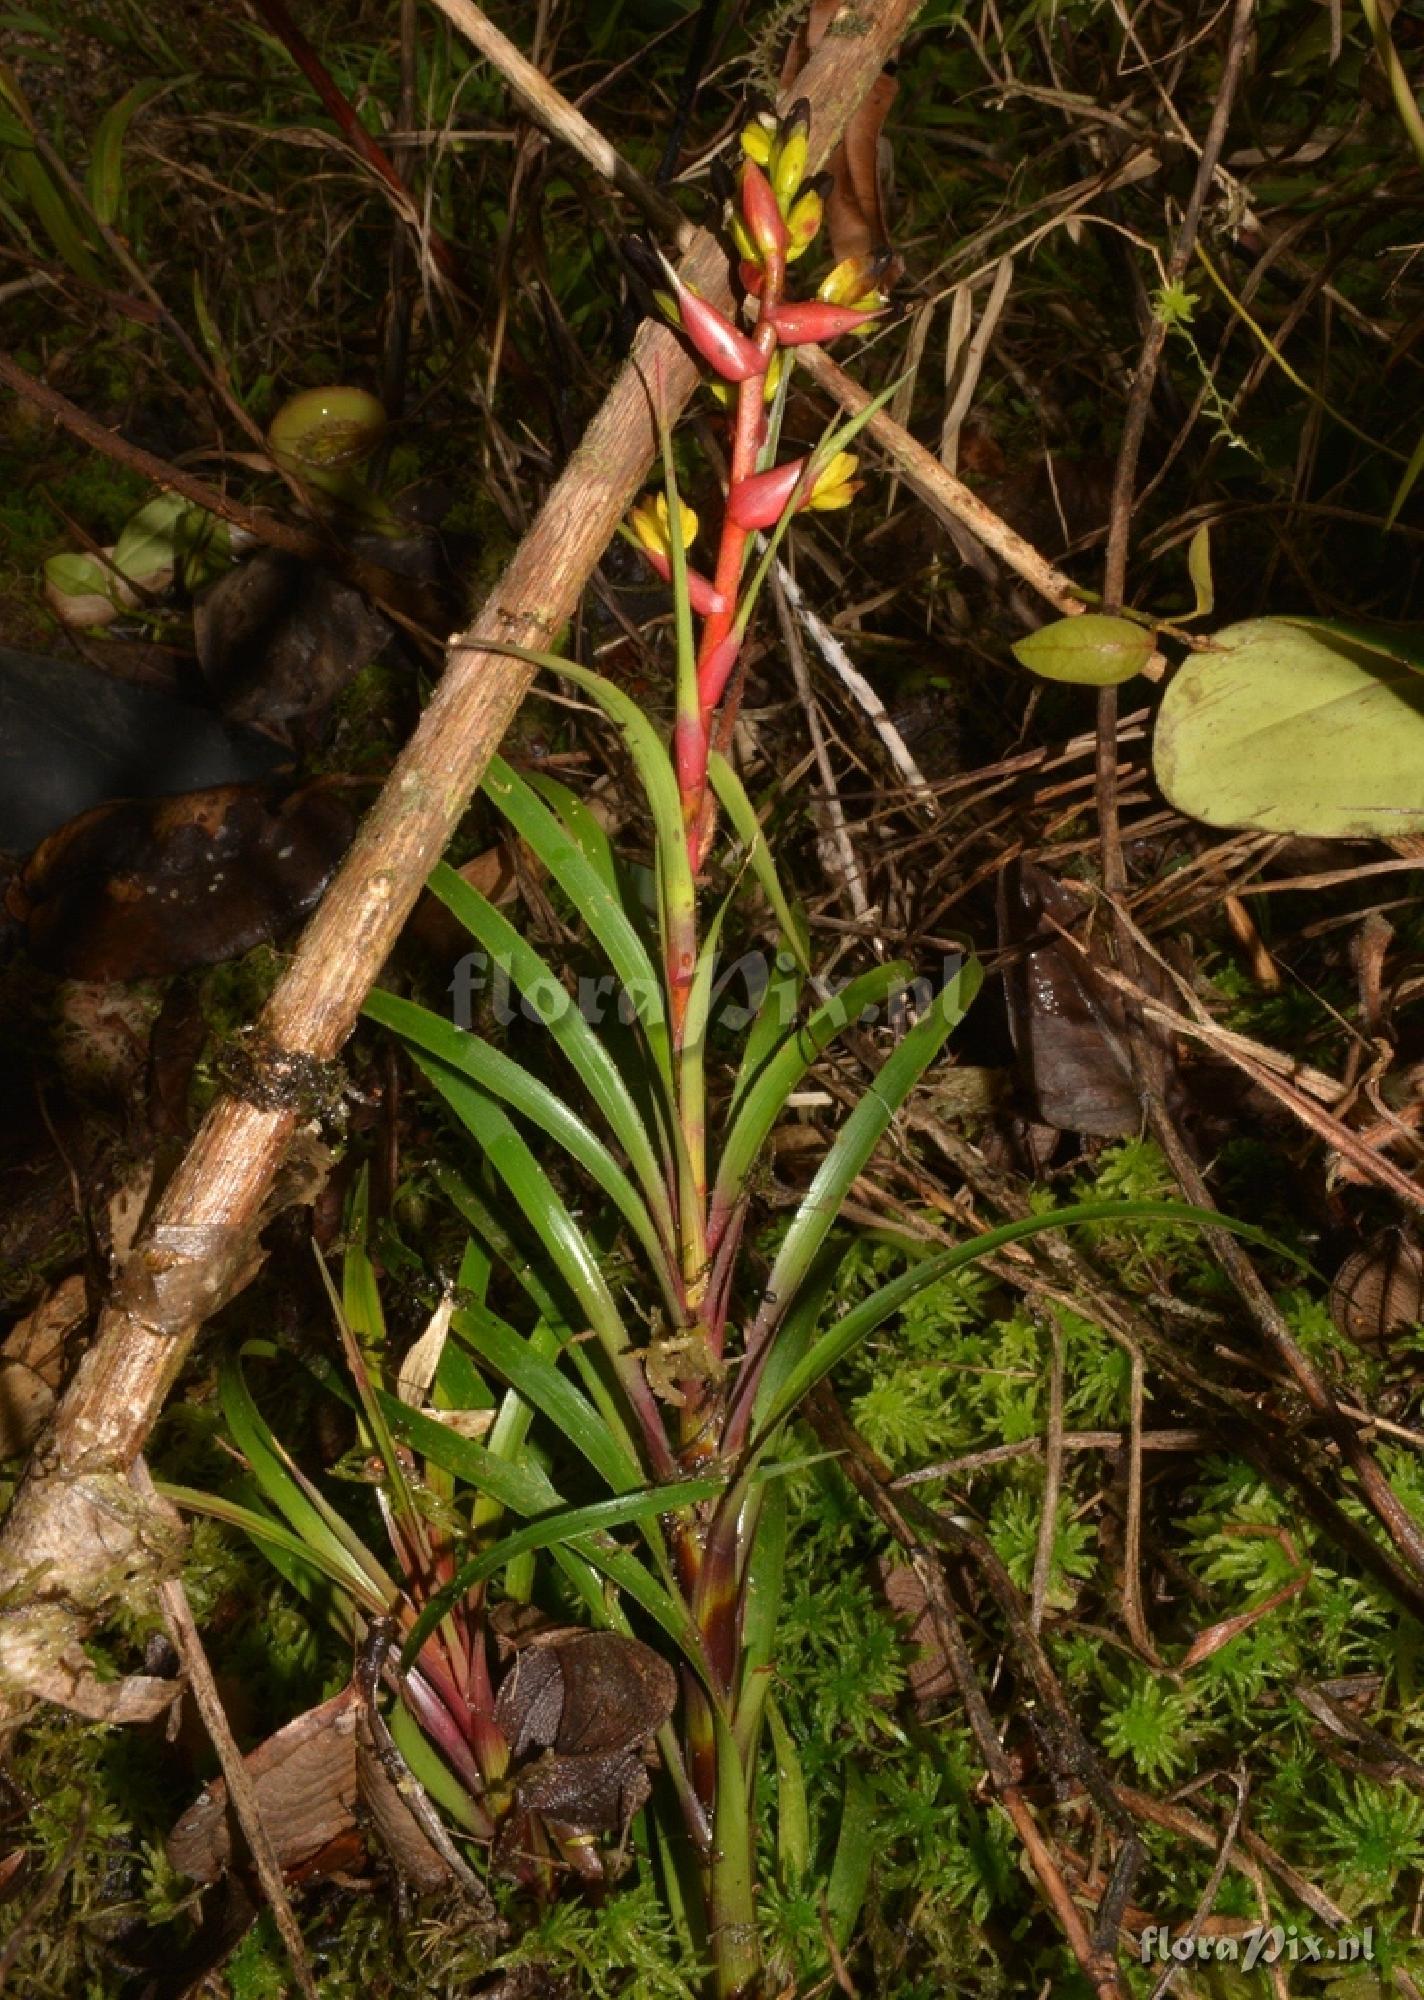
pixel 765 1099
pixel 855 1852
pixel 507 1151
pixel 542 1386
pixel 595 1067
pixel 273 1536
pixel 471 1056
pixel 585 887
pixel 775 1016
pixel 566 1524
pixel 104 182
pixel 854 1144
pixel 587 830
pixel 317 1524
pixel 837 1342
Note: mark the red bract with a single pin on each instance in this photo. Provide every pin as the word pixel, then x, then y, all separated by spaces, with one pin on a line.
pixel 813 319
pixel 722 346
pixel 706 600
pixel 765 223
pixel 760 502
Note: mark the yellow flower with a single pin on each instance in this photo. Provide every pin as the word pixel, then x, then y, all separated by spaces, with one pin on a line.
pixel 652 528
pixel 835 485
pixel 852 283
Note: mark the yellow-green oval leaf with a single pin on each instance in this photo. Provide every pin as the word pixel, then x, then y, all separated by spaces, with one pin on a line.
pixel 1092 649
pixel 1292 727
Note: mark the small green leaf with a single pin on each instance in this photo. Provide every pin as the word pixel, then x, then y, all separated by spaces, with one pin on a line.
pixel 855 1850
pixel 793 1822
pixel 105 179
pixel 1092 650
pixel 1199 570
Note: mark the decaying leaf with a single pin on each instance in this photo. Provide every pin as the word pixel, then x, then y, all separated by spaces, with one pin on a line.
pixel 32 1362
pixel 1378 1292
pixel 279 638
pixel 930 1676
pixel 138 889
pixel 1068 1026
pixel 306 1785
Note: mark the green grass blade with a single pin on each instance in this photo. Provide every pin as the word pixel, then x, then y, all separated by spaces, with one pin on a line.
pixel 793 1821
pixel 854 1144
pixel 565 1524
pixel 542 1386
pixel 855 1851
pixel 832 1347
pixel 774 1018
pixel 586 828
pixel 319 1559
pixel 317 1525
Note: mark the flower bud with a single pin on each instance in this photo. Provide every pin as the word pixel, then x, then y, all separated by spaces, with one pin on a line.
pixel 803 223
pixel 814 319
pixel 788 159
pixel 765 223
pixel 758 137
pixel 772 380
pixel 761 500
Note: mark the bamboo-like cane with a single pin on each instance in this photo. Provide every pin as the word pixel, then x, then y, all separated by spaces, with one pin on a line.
pixel 77 1535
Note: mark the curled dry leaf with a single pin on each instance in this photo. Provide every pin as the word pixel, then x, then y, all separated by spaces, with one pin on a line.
pixel 1378 1292
pixel 1068 1025
pixel 306 1785
pixel 279 638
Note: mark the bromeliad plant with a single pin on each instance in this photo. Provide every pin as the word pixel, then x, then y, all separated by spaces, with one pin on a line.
pixel 654 1354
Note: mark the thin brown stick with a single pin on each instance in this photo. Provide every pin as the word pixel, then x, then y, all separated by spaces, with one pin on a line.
pixel 72 1535
pixel 183 1628
pixel 941 492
